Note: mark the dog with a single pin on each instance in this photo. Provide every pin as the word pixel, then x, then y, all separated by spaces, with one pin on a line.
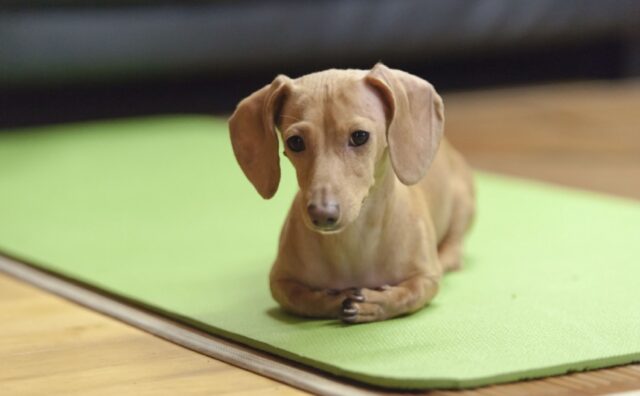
pixel 383 203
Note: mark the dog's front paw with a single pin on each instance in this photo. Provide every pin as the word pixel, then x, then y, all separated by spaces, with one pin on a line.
pixel 356 308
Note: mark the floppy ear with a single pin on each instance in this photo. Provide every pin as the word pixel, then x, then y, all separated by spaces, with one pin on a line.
pixel 254 139
pixel 415 120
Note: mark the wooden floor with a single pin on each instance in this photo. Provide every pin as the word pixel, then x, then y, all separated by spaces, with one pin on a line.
pixel 585 135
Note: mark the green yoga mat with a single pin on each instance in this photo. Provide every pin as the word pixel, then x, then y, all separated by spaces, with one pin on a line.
pixel 157 211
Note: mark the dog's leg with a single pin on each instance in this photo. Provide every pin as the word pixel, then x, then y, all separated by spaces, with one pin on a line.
pixel 368 305
pixel 302 300
pixel 450 248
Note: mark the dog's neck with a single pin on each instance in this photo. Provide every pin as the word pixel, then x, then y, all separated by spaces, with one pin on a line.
pixel 382 193
pixel 377 206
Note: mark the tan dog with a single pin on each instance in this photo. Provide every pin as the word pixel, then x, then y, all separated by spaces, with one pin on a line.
pixel 368 236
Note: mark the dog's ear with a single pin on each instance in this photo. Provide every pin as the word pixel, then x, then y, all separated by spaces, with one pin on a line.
pixel 415 120
pixel 254 138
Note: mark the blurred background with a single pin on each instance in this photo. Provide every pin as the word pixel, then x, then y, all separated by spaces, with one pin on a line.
pixel 70 60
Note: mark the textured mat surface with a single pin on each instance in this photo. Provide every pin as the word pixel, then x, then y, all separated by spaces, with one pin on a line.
pixel 157 211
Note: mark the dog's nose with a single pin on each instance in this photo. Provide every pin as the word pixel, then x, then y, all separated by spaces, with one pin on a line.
pixel 324 216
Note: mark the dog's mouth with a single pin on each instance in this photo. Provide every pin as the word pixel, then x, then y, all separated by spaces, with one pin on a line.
pixel 324 229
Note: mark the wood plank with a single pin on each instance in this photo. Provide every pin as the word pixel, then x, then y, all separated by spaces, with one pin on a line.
pixel 582 135
pixel 51 346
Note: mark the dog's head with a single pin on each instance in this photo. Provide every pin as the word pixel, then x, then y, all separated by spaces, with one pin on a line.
pixel 337 127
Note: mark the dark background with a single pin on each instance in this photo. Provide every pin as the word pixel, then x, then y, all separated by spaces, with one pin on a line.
pixel 63 61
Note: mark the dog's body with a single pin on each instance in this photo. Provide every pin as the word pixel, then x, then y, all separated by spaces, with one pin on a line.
pixel 368 236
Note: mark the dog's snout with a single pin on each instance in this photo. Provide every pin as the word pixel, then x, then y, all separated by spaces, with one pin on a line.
pixel 324 215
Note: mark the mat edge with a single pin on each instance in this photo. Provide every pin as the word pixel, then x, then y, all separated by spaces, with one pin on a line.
pixel 193 339
pixel 280 368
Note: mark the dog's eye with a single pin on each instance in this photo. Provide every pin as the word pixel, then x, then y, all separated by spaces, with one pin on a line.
pixel 358 138
pixel 296 143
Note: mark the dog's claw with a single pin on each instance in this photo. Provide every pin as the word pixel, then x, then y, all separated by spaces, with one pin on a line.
pixel 349 312
pixel 382 288
pixel 356 295
pixel 349 319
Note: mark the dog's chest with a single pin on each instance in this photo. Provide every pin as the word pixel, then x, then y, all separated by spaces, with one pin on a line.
pixel 357 260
